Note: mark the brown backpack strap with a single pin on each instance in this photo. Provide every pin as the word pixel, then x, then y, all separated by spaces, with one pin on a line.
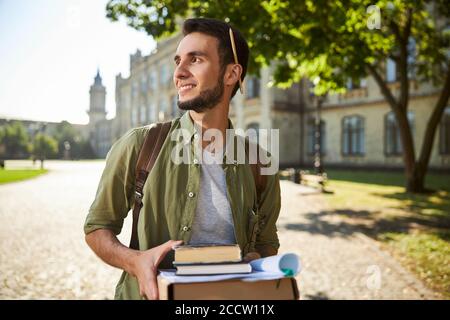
pixel 146 160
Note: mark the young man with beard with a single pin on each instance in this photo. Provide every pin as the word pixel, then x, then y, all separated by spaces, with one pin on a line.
pixel 205 201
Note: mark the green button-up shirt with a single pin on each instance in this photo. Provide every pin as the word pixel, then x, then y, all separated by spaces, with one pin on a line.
pixel 170 197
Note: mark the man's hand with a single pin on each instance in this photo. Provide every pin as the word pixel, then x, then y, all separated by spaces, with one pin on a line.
pixel 144 267
pixel 262 251
pixel 251 256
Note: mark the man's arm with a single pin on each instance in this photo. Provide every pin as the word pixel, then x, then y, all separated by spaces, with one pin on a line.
pixel 266 250
pixel 141 264
pixel 267 242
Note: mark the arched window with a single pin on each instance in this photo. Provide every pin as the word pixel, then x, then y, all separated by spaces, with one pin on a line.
pixel 142 116
pixel 392 141
pixel 445 133
pixel 152 80
pixel 164 75
pixel 151 112
pixel 134 117
pixel 353 136
pixel 391 71
pixel 311 136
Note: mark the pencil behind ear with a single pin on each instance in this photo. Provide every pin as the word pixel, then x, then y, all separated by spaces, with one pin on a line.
pixel 233 46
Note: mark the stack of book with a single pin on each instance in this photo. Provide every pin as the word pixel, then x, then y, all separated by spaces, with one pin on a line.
pixel 209 259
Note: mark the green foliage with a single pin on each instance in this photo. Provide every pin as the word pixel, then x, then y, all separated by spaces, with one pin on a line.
pixel 415 227
pixel 14 139
pixel 426 254
pixel 7 176
pixel 65 133
pixel 16 142
pixel 330 42
pixel 326 39
pixel 44 146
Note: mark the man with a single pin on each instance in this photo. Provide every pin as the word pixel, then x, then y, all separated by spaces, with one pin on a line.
pixel 187 202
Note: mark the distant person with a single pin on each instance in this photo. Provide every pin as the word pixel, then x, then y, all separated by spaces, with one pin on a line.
pixel 192 203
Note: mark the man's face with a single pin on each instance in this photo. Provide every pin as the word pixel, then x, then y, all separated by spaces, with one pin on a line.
pixel 198 77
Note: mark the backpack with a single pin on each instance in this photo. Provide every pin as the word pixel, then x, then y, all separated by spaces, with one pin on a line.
pixel 146 160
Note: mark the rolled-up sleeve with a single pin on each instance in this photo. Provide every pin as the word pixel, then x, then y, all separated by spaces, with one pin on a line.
pixel 114 196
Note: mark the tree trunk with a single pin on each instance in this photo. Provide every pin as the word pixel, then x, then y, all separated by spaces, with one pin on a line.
pixel 428 139
pixel 415 180
pixel 415 171
pixel 409 157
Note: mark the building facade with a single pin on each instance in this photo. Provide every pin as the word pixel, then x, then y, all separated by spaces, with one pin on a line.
pixel 358 128
pixel 148 95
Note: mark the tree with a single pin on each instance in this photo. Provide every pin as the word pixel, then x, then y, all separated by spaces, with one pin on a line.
pixel 14 140
pixel 44 147
pixel 2 147
pixel 332 40
pixel 64 133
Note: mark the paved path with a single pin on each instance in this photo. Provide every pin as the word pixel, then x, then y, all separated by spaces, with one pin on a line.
pixel 339 262
pixel 43 253
pixel 42 248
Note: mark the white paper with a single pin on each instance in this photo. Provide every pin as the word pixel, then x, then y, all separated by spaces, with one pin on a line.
pixel 276 264
pixel 262 269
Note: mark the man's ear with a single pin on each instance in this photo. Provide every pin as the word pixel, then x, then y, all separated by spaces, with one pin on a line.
pixel 232 74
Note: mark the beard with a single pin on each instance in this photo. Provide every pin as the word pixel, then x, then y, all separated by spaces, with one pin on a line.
pixel 206 100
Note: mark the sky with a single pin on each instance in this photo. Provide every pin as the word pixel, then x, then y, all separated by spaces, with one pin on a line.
pixel 49 54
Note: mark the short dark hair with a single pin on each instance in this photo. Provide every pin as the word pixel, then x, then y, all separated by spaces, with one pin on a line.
pixel 220 30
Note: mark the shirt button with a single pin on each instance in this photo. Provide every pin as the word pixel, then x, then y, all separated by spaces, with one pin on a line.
pixel 191 194
pixel 196 136
pixel 185 228
pixel 195 161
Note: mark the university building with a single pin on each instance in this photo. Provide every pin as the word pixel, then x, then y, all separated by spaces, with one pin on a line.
pixel 358 129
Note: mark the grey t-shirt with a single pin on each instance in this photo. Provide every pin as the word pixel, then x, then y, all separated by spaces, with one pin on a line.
pixel 213 221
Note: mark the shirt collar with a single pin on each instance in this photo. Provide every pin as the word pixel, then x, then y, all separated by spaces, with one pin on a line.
pixel 190 129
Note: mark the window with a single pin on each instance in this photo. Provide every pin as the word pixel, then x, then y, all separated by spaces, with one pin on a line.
pixel 134 90
pixel 445 133
pixel 152 80
pixel 134 117
pixel 142 115
pixel 163 109
pixel 174 102
pixel 143 84
pixel 353 84
pixel 353 136
pixel 391 71
pixel 412 52
pixel 311 137
pixel 363 83
pixel 393 143
pixel 164 75
pixel 151 112
pixel 252 89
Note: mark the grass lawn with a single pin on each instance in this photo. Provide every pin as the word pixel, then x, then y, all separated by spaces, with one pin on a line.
pixel 415 228
pixel 7 175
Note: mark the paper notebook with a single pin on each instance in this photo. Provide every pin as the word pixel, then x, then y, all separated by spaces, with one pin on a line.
pixel 273 267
